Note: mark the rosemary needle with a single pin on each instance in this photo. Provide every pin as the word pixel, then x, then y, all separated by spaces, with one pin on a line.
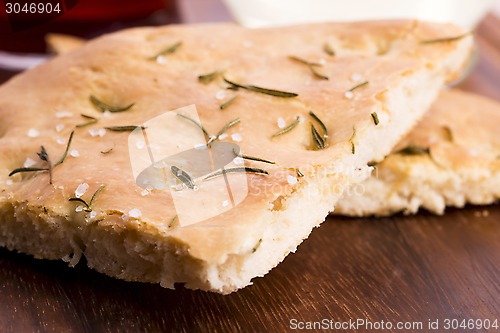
pixel 288 128
pixel 207 78
pixel 194 122
pixel 18 170
pixel 227 103
pixel 100 105
pixel 92 121
pixel 266 91
pixel 351 141
pixel 311 66
pixel 319 141
pixel 445 39
pixel 124 128
pixel 362 84
pixel 63 157
pixel 183 176
pixel 328 49
pixel 235 170
pixel 252 158
pixel 412 149
pixel 321 124
pixel 169 49
pixel 375 118
pixel 227 126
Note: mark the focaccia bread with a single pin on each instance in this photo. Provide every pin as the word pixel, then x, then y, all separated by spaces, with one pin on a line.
pixel 368 83
pixel 451 158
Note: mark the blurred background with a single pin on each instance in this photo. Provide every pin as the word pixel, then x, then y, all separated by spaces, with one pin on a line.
pixel 23 43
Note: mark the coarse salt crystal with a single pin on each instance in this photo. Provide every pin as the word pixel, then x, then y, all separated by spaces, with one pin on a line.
pixel 149 188
pixel 281 122
pixel 81 189
pixel 92 214
pixel 236 137
pixel 9 182
pixel 356 77
pixel 291 180
pixel 101 132
pixel 61 141
pixel 106 114
pixel 135 213
pixel 59 128
pixel 74 153
pixel 29 162
pixel 239 160
pixel 221 94
pixel 63 114
pixel 200 146
pixel 144 193
pixel 349 94
pixel 223 136
pixel 162 60
pixel 97 132
pixel 79 209
pixel 33 133
pixel 225 203
pixel 140 144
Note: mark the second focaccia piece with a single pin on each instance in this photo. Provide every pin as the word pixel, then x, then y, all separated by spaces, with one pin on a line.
pixel 368 83
pixel 451 158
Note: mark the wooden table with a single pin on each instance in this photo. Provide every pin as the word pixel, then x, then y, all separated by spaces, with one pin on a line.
pixel 400 269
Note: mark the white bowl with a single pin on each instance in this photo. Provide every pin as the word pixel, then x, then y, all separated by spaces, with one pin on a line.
pixel 259 13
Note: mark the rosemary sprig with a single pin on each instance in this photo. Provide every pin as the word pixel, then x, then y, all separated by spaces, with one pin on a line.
pixel 445 39
pixel 328 49
pixel 362 84
pixel 252 158
pixel 196 123
pixel 235 170
pixel 266 91
pixel 129 128
pixel 63 157
pixel 318 140
pixel 88 206
pixel 412 149
pixel 311 66
pixel 287 128
pixel 207 78
pixel 375 118
pixel 183 176
pixel 321 124
pixel 101 106
pixel 351 141
pixel 167 50
pixel 92 121
pixel 227 103
pixel 44 156
pixel 372 163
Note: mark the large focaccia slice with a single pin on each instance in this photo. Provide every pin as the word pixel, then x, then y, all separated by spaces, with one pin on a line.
pixel 134 233
pixel 451 158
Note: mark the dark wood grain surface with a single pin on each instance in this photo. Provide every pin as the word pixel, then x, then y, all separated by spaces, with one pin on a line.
pixel 399 269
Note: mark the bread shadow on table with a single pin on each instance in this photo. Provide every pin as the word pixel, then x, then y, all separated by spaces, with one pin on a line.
pixel 404 268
